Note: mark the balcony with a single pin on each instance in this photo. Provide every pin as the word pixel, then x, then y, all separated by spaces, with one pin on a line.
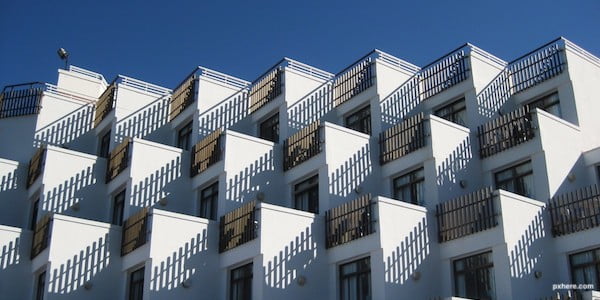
pixel 206 152
pixel 105 103
pixel 135 231
pixel 575 211
pixel 505 132
pixel 303 145
pixel 265 89
pixel 238 227
pixel 41 235
pixel 183 96
pixel 36 165
pixel 118 160
pixel 404 138
pixel 21 99
pixel 353 81
pixel 349 221
pixel 444 73
pixel 467 215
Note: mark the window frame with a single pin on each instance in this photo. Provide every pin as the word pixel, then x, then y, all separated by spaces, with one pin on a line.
pixel 363 121
pixel 116 203
pixel 40 289
pixel 519 189
pixel 468 269
pixel 453 112
pixel 310 190
pixel 355 275
pixel 245 281
pixel 185 137
pixel 131 284
pixel 595 262
pixel 213 198
pixel 411 184
pixel 544 106
pixel 35 210
pixel 268 129
pixel 104 147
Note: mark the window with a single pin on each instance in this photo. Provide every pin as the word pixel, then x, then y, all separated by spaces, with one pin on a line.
pixel 585 267
pixel 517 179
pixel 34 213
pixel 360 120
pixel 474 277
pixel 455 112
pixel 208 201
pixel 118 206
pixel 40 286
pixel 549 103
pixel 269 129
pixel 410 187
pixel 355 280
pixel 240 285
pixel 598 173
pixel 136 284
pixel 306 195
pixel 184 137
pixel 104 145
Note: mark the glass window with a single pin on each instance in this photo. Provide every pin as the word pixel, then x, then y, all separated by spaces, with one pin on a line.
pixel 410 187
pixel 455 112
pixel 184 137
pixel 474 277
pixel 598 173
pixel 40 286
pixel 355 280
pixel 549 103
pixel 306 195
pixel 136 284
pixel 517 179
pixel 269 129
pixel 118 206
pixel 34 213
pixel 360 120
pixel 104 145
pixel 240 285
pixel 585 267
pixel 208 201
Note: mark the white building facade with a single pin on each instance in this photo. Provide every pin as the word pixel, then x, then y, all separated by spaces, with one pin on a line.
pixel 468 178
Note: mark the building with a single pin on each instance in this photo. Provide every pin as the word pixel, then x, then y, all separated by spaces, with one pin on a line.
pixel 470 177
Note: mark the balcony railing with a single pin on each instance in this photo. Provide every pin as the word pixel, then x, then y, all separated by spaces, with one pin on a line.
pixel 349 221
pixel 303 145
pixel 576 211
pixel 402 139
pixel 21 99
pixel 505 132
pixel 183 96
pixel 206 152
pixel 118 160
pixel 135 231
pixel 41 235
pixel 105 103
pixel 36 165
pixel 467 215
pixel 239 226
pixel 537 66
pixel 353 81
pixel 265 89
pixel 444 73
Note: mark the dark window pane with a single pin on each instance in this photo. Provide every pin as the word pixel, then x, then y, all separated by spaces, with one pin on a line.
pixel 585 267
pixel 360 120
pixel 240 285
pixel 118 207
pixel 455 112
pixel 355 280
pixel 410 187
pixel 517 179
pixel 104 145
pixel 306 195
pixel 136 284
pixel 269 129
pixel 474 277
pixel 550 104
pixel 41 286
pixel 34 213
pixel 208 201
pixel 184 136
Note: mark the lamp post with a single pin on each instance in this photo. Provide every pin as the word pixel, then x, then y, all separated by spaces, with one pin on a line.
pixel 64 55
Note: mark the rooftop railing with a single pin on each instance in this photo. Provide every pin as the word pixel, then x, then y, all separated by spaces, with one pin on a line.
pixel 349 221
pixel 575 211
pixel 445 72
pixel 467 215
pixel 21 99
pixel 303 145
pixel 118 160
pixel 238 227
pixel 537 66
pixel 41 235
pixel 353 81
pixel 135 231
pixel 505 132
pixel 265 89
pixel 183 96
pixel 404 138
pixel 105 104
pixel 206 152
pixel 36 165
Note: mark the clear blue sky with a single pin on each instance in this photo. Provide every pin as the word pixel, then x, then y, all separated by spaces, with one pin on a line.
pixel 162 41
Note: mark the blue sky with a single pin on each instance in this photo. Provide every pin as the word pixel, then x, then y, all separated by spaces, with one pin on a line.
pixel 162 41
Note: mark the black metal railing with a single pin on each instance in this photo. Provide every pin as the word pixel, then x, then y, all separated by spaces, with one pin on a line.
pixel 406 137
pixel 36 165
pixel 467 215
pixel 349 221
pixel 105 103
pixel 183 96
pixel 536 66
pixel 303 145
pixel 118 160
pixel 21 99
pixel 206 152
pixel 444 73
pixel 135 231
pixel 265 89
pixel 239 226
pixel 353 81
pixel 505 132
pixel 575 211
pixel 41 235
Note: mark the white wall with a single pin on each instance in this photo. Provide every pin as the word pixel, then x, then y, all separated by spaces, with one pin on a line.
pixel 15 265
pixel 80 83
pixel 13 195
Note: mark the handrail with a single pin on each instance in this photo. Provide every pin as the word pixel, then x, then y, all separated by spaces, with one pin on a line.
pixel 228 79
pixel 86 72
pixel 30 84
pixel 53 89
pixel 466 45
pixel 397 62
pixel 142 85
pixel 535 50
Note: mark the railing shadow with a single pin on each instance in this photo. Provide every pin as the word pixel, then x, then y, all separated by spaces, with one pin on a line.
pixel 72 191
pixel 160 184
pixel 406 259
pixel 146 121
pixel 224 114
pixel 10 254
pixel 67 128
pixel 527 253
pixel 312 107
pixel 494 96
pixel 242 186
pixel 401 102
pixel 9 182
pixel 348 177
pixel 453 168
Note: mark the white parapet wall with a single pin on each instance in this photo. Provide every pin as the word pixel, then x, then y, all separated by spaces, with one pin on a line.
pixel 13 193
pixel 15 245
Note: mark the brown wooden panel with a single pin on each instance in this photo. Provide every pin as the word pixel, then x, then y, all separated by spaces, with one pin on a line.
pixel 239 226
pixel 41 235
pixel 118 160
pixel 575 211
pixel 182 97
pixel 353 82
pixel 105 103
pixel 505 132
pixel 206 152
pixel 265 89
pixel 404 138
pixel 303 145
pixel 36 165
pixel 135 231
pixel 349 221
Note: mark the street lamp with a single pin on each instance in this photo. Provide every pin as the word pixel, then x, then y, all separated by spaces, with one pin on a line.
pixel 64 55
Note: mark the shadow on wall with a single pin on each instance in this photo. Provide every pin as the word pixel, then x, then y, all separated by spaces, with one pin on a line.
pixel 9 182
pixel 312 107
pixel 159 185
pixel 527 253
pixel 184 264
pixel 146 121
pixel 257 177
pixel 409 255
pixel 349 176
pixel 453 169
pixel 83 267
pixel 494 96
pixel 399 104
pixel 10 254
pixel 76 190
pixel 223 114
pixel 67 128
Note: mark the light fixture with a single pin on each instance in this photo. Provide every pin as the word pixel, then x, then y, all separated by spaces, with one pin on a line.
pixel 186 283
pixel 301 280
pixel 260 196
pixel 537 274
pixel 75 206
pixel 358 190
pixel 463 183
pixel 163 202
pixel 88 285
pixel 416 276
pixel 64 55
pixel 571 177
